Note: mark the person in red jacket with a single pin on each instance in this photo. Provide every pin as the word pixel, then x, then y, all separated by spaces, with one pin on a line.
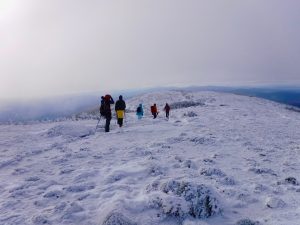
pixel 167 110
pixel 154 111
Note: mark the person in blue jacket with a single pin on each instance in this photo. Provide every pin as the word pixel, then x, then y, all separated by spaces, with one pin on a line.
pixel 140 111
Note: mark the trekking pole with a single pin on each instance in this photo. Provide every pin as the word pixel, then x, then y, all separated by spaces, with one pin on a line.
pixel 98 123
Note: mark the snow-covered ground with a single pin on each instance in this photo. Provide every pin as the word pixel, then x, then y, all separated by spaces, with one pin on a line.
pixel 227 159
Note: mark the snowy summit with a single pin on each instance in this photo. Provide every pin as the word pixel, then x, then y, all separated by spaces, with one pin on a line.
pixel 221 159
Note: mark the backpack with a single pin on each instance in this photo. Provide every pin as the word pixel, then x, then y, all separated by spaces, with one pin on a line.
pixel 139 109
pixel 107 98
pixel 102 110
pixel 105 106
pixel 152 109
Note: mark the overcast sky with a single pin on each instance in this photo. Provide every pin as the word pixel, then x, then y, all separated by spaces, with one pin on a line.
pixel 54 47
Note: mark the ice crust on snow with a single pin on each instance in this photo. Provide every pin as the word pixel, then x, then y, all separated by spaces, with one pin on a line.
pixel 219 159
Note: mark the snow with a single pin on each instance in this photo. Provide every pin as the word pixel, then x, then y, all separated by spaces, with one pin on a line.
pixel 238 154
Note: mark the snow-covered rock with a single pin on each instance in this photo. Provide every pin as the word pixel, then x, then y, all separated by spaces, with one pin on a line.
pixel 183 199
pixel 274 203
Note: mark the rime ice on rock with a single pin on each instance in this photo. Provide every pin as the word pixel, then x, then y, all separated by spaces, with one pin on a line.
pixel 182 199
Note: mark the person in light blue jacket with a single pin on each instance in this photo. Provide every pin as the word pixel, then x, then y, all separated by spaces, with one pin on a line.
pixel 140 111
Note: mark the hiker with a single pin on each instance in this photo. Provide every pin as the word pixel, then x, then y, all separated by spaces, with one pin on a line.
pixel 120 110
pixel 140 111
pixel 167 110
pixel 106 111
pixel 154 111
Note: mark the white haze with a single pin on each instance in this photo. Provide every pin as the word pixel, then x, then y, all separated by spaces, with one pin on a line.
pixel 56 47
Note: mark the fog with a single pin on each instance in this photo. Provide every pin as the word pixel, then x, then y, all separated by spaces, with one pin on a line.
pixel 56 47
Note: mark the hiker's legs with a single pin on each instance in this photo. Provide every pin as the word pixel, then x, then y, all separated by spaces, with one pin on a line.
pixel 120 121
pixel 154 115
pixel 167 115
pixel 107 123
pixel 120 116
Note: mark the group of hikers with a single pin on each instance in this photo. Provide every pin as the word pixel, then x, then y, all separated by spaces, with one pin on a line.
pixel 120 106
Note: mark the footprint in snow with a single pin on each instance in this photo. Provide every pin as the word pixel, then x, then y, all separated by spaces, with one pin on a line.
pixel 73 214
pixel 54 194
pixel 66 171
pixel 85 175
pixel 80 188
pixel 20 171
pixel 60 207
pixel 40 220
pixel 208 161
pixel 97 156
pixel 32 179
pixel 116 176
pixel 48 184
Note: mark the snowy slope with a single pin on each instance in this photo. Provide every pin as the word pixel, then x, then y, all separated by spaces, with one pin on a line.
pixel 242 152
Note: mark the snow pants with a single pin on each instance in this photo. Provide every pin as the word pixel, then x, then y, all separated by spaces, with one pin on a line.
pixel 107 123
pixel 120 116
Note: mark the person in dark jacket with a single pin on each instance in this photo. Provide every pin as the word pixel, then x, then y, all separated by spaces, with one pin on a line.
pixel 102 107
pixel 167 110
pixel 108 100
pixel 120 107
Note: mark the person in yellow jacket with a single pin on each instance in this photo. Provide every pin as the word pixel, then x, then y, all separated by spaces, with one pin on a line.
pixel 120 107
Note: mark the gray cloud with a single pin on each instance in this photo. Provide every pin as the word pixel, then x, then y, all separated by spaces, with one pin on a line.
pixel 57 47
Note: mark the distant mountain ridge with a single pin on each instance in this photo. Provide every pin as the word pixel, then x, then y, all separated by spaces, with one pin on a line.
pixel 66 106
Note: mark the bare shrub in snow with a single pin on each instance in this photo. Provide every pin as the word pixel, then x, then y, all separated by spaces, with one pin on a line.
pixel 212 172
pixel 247 222
pixel 116 218
pixel 263 171
pixel 291 180
pixel 227 181
pixel 190 164
pixel 201 140
pixel 156 170
pixel 154 186
pixel 182 199
pixel 185 104
pixel 190 114
pixel 208 161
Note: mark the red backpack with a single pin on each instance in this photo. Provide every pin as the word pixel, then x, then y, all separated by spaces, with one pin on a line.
pixel 105 106
pixel 107 98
